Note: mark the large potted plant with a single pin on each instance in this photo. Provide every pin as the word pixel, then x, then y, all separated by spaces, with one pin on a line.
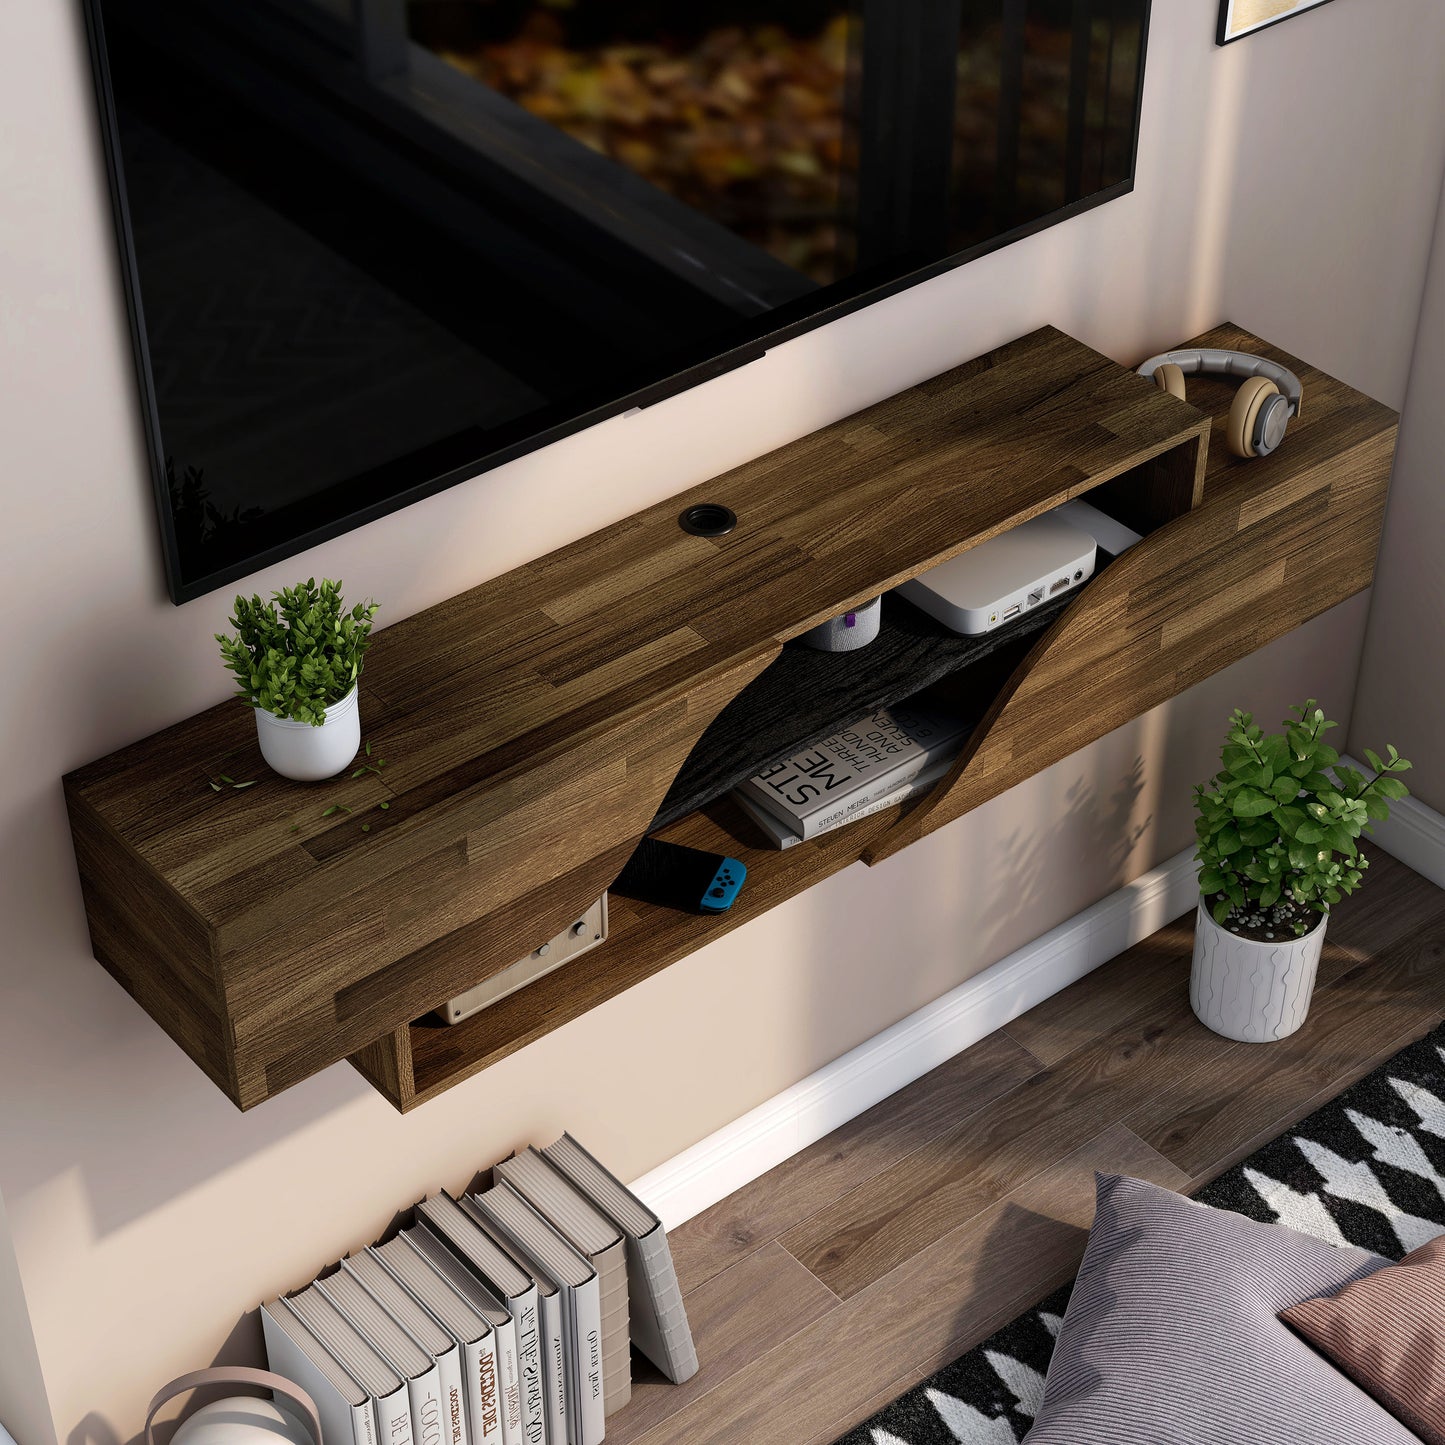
pixel 297 659
pixel 1278 834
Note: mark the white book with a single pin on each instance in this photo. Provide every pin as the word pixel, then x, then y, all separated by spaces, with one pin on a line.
pixel 817 787
pixel 473 1330
pixel 659 1317
pixel 504 1326
pixel 600 1242
pixel 516 1289
pixel 347 1411
pixel 548 1254
pixel 782 837
pixel 391 1340
pixel 552 1314
pixel 387 1389
pixel 440 1347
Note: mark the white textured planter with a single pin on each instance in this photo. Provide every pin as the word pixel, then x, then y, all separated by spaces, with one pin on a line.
pixel 309 754
pixel 1253 992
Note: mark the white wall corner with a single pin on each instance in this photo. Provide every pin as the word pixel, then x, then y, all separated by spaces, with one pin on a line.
pixel 24 1406
pixel 1414 833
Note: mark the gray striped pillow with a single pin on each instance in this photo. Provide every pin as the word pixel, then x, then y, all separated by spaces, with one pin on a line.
pixel 1172 1334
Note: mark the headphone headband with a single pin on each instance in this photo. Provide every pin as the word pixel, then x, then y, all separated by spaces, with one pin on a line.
pixel 1236 364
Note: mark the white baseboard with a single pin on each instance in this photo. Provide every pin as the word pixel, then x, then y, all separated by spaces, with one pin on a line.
pixel 1413 833
pixel 747 1148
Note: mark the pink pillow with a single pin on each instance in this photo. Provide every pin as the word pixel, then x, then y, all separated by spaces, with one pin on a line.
pixel 1387 1333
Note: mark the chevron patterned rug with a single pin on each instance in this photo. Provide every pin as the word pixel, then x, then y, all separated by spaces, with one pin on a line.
pixel 1367 1169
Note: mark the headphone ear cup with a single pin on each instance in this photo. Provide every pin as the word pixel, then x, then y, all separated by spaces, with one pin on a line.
pixel 1170 378
pixel 1239 433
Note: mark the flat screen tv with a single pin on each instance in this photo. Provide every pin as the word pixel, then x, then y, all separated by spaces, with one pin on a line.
pixel 374 247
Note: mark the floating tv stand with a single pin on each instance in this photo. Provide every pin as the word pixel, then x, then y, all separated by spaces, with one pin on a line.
pixel 640 669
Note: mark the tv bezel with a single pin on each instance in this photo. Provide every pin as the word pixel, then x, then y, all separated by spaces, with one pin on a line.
pixel 771 329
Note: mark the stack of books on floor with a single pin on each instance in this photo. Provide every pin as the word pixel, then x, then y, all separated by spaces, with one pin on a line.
pixel 882 760
pixel 501 1318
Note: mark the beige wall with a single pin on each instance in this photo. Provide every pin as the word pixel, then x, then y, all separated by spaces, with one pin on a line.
pixel 147 1216
pixel 1401 696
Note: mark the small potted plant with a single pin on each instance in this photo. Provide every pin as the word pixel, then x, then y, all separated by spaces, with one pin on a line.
pixel 1278 830
pixel 297 659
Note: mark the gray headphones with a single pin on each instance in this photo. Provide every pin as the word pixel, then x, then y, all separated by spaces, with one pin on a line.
pixel 1270 397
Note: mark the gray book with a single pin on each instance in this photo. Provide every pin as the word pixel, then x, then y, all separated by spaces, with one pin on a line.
pixel 597 1239
pixel 397 1346
pixel 551 1324
pixel 475 1319
pixel 388 1391
pixel 549 1255
pixel 659 1321
pixel 389 1293
pixel 517 1290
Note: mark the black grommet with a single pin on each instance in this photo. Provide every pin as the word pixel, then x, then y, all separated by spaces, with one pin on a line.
pixel 708 519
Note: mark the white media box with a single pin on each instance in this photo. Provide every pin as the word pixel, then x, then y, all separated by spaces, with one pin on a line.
pixel 1005 577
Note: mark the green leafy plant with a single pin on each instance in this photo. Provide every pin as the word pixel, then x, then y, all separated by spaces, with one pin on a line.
pixel 299 653
pixel 1278 825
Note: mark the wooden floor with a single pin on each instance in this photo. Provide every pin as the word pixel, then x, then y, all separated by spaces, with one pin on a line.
pixel 848 1273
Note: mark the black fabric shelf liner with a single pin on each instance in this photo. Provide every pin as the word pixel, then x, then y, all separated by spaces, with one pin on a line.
pixel 805 696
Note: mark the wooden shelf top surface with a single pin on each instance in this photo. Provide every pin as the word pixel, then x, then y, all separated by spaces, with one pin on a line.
pixel 487 683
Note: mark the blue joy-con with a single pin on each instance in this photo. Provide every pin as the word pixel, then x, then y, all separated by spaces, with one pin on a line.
pixel 726 883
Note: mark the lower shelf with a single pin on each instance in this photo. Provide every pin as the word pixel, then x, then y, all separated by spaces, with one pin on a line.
pixel 427 1057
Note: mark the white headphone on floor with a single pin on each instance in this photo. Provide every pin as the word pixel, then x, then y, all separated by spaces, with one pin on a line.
pixel 1270 397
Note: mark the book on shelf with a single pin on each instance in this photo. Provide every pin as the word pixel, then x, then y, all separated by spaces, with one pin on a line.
pixel 508 1318
pixel 401 1351
pixel 825 785
pixel 659 1320
pixel 384 1387
pixel 578 1349
pixel 429 1334
pixel 599 1241
pixel 781 836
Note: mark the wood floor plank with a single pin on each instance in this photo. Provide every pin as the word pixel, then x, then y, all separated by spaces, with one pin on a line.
pixel 874 1228
pixel 1393 902
pixel 858 1413
pixel 1140 979
pixel 739 1315
pixel 1205 1123
pixel 848 1157
pixel 939 1301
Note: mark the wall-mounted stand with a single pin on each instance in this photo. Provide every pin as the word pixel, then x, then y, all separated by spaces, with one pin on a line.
pixel 536 727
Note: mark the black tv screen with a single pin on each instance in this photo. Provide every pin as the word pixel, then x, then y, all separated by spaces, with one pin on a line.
pixel 374 247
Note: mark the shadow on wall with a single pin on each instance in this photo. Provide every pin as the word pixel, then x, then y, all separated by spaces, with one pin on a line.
pixel 243 1346
pixel 78 1040
pixel 1103 830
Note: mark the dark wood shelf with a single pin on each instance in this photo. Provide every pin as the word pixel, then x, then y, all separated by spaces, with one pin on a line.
pixel 535 725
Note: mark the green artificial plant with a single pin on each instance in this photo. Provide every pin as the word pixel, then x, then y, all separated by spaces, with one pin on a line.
pixel 1278 826
pixel 299 653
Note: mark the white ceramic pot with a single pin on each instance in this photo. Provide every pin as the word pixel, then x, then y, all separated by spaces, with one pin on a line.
pixel 1253 992
pixel 308 754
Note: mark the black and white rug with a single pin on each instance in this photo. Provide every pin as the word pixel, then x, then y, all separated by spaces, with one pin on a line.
pixel 1367 1169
